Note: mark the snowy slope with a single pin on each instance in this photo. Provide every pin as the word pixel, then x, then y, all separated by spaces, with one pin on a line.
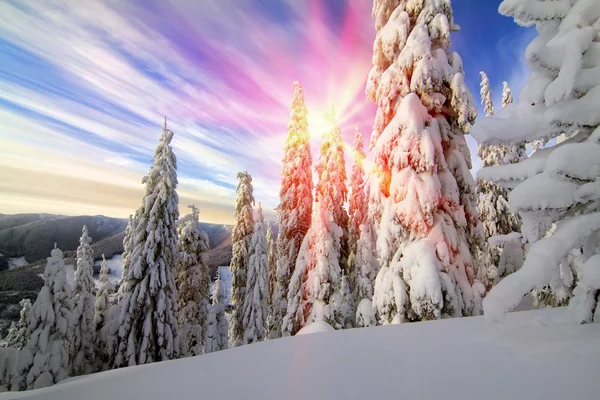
pixel 524 358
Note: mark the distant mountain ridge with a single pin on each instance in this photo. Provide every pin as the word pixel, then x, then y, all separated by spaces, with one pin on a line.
pixel 33 236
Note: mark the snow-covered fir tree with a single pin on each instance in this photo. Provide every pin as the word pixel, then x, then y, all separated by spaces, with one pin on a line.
pixel 493 207
pixel 358 205
pixel 83 350
pixel 314 293
pixel 257 290
pixel 507 97
pixel 101 316
pixel 331 190
pixel 216 327
pixel 558 184
pixel 241 237
pixel 272 257
pixel 429 225
pixel 147 318
pixel 17 334
pixel 192 281
pixel 126 256
pixel 486 95
pixel 44 360
pixel 295 206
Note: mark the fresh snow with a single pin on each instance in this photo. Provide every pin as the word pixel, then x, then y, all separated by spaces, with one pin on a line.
pixel 531 356
pixel 315 327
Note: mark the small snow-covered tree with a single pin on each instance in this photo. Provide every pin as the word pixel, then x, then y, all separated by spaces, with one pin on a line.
pixel 192 283
pixel 295 206
pixel 83 351
pixel 147 320
pixel 422 161
pixel 272 257
pixel 486 95
pixel 101 316
pixel 358 205
pixel 507 97
pixel 44 360
pixel 558 184
pixel 216 327
pixel 315 283
pixel 257 291
pixel 17 334
pixel 365 315
pixel 241 236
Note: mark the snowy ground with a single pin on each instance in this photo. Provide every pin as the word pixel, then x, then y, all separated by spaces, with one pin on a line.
pixel 531 356
pixel 17 262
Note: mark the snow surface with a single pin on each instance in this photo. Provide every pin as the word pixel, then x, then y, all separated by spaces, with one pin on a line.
pixel 17 262
pixel 316 327
pixel 533 355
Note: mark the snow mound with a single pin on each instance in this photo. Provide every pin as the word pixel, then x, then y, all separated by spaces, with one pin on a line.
pixel 531 356
pixel 315 327
pixel 17 262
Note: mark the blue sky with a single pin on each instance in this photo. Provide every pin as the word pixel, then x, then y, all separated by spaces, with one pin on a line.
pixel 84 87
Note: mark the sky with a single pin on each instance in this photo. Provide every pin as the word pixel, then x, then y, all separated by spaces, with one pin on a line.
pixel 85 87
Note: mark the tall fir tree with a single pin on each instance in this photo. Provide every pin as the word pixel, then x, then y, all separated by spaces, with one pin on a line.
pixel 422 163
pixel 44 360
pixel 192 281
pixel 314 293
pixel 216 327
pixel 272 257
pixel 257 288
pixel 331 190
pixel 147 316
pixel 241 237
pixel 102 306
pixel 83 350
pixel 295 207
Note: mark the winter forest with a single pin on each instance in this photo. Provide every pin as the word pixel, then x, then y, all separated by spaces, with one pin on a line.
pixel 410 236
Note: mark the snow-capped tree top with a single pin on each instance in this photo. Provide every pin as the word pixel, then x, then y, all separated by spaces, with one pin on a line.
pixel 84 282
pixel 507 97
pixel 105 283
pixel 486 95
pixel 243 212
pixel 298 124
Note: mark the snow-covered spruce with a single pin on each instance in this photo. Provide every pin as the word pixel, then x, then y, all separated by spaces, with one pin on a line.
pixel 559 184
pixel 241 236
pixel 127 248
pixel 257 291
pixel 429 226
pixel 101 317
pixel 331 190
pixel 315 285
pixel 147 325
pixel 272 257
pixel 295 207
pixel 216 327
pixel 357 210
pixel 493 207
pixel 507 97
pixel 83 349
pixel 44 360
pixel 17 334
pixel 192 283
pixel 346 308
